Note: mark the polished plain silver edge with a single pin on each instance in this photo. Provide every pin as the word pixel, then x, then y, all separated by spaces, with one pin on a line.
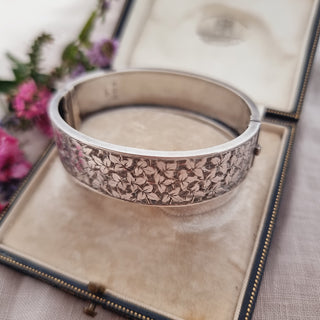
pixel 252 129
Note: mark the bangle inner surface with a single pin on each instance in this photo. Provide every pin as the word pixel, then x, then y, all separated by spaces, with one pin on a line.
pixel 155 128
pixel 202 100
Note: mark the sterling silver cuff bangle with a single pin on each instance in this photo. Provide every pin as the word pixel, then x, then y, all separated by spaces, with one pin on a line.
pixel 160 178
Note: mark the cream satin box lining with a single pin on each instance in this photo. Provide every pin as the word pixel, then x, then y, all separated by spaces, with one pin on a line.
pixel 149 256
pixel 32 241
pixel 264 55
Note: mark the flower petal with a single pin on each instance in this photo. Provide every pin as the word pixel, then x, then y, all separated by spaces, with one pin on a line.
pixel 162 188
pixel 183 175
pixel 149 170
pixel 175 191
pixel 20 170
pixel 169 174
pixel 116 177
pixel 97 160
pixel 168 182
pixel 161 165
pixel 199 173
pixel 153 196
pixel 190 164
pixel 141 180
pixel 148 188
pixel 142 164
pixel 141 196
pixel 200 164
pixel 113 158
pixel 215 161
pixel 171 165
pixel 166 198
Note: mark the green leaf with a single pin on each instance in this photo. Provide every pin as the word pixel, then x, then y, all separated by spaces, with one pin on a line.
pixel 58 73
pixel 35 52
pixel 13 59
pixel 20 70
pixel 41 78
pixel 82 59
pixel 70 53
pixel 84 35
pixel 7 86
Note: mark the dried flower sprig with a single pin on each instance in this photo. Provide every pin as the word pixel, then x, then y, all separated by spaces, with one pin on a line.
pixel 28 94
pixel 13 166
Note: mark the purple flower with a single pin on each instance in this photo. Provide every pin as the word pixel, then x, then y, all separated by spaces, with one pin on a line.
pixel 102 52
pixel 30 101
pixel 77 71
pixel 7 189
pixel 105 6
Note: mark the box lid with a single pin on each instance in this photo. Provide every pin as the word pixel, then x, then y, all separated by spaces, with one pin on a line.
pixel 265 50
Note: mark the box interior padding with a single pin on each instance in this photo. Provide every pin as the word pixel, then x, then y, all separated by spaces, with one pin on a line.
pixel 260 49
pixel 191 263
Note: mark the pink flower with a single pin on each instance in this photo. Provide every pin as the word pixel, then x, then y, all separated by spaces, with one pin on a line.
pixel 44 125
pixel 31 101
pixel 3 205
pixel 12 162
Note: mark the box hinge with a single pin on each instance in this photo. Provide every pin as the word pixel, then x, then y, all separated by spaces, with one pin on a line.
pixel 97 289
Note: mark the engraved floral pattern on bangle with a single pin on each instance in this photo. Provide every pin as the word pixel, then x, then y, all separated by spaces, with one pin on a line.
pixel 152 181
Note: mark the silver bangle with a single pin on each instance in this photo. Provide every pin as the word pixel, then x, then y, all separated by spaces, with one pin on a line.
pixel 160 178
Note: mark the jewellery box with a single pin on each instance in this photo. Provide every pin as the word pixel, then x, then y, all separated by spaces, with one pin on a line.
pixel 187 262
